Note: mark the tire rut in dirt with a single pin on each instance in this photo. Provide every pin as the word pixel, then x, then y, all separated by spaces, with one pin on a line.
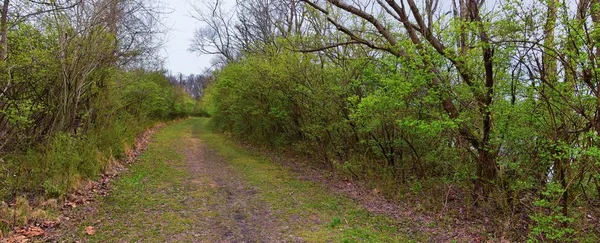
pixel 240 215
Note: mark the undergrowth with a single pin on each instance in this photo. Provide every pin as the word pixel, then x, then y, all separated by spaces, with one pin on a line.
pixel 62 160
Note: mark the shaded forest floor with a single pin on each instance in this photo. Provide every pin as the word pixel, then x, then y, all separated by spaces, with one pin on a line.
pixel 193 185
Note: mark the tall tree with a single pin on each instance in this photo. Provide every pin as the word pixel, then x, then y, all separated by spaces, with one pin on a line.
pixel 419 26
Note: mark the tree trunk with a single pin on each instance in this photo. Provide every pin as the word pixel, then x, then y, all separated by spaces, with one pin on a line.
pixel 4 30
pixel 595 13
pixel 548 60
pixel 113 16
pixel 549 75
pixel 487 172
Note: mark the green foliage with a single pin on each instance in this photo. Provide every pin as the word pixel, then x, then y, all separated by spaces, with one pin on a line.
pixel 183 104
pixel 335 222
pixel 379 117
pixel 70 101
pixel 127 103
pixel 253 100
pixel 550 222
pixel 147 95
pixel 369 109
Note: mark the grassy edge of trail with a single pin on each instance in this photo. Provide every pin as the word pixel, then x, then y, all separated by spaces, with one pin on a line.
pixel 144 202
pixel 151 202
pixel 314 213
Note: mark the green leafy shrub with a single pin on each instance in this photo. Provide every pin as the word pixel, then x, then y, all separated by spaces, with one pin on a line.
pixel 132 102
pixel 551 225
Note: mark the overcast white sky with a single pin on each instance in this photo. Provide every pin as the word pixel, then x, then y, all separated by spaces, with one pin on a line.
pixel 179 59
pixel 182 27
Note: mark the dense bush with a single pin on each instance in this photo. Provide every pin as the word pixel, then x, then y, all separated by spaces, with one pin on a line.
pixel 374 119
pixel 133 101
pixel 364 116
pixel 496 105
pixel 68 107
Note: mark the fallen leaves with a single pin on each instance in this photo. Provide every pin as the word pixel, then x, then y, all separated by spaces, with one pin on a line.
pixel 90 230
pixel 31 232
pixel 84 195
pixel 50 223
pixel 71 204
pixel 16 239
pixel 375 191
pixel 315 218
pixel 24 235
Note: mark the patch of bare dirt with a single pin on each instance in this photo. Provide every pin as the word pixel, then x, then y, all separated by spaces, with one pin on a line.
pixel 238 214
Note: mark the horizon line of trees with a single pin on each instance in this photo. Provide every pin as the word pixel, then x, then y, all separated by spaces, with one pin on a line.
pixel 193 84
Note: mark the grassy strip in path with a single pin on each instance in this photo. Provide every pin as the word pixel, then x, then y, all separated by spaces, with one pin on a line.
pixel 312 212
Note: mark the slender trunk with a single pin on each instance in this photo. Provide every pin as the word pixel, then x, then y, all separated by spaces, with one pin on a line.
pixel 549 72
pixel 549 75
pixel 487 170
pixel 113 16
pixel 4 30
pixel 565 196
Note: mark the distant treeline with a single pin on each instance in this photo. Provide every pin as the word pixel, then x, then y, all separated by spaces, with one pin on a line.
pixel 193 84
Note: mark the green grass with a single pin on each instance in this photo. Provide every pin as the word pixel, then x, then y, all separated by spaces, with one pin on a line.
pixel 151 203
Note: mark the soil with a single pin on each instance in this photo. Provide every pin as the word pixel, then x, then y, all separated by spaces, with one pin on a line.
pixel 242 217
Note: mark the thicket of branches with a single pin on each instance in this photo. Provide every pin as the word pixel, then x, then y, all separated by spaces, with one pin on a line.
pixel 78 81
pixel 495 104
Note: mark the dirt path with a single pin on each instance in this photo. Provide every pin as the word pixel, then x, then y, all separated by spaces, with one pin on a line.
pixel 194 185
pixel 240 216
